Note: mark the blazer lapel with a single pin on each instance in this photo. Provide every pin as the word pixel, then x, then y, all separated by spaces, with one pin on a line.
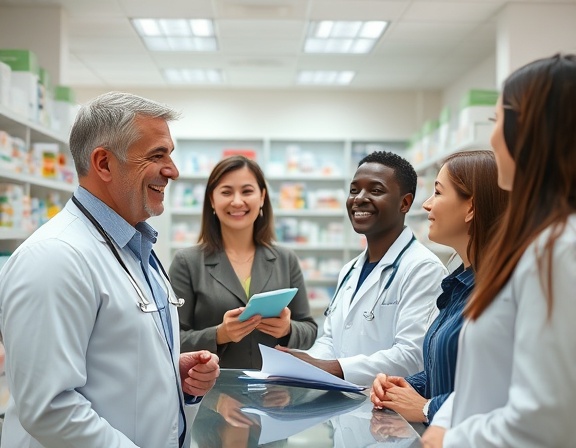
pixel 218 266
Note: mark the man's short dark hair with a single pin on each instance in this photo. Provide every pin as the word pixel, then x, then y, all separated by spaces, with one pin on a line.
pixel 404 171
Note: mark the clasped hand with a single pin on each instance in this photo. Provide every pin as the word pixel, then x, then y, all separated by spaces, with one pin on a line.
pixel 232 330
pixel 394 392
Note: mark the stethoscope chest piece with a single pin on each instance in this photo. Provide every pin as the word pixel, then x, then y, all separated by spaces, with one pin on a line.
pixel 368 315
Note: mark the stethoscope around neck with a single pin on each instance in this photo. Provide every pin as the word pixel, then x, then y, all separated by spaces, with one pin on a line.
pixel 369 315
pixel 144 304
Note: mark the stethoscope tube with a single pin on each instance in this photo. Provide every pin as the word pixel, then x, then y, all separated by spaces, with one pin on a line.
pixel 144 304
pixel 369 315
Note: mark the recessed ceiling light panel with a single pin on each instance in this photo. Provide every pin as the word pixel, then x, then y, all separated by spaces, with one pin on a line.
pixel 325 77
pixel 354 37
pixel 177 34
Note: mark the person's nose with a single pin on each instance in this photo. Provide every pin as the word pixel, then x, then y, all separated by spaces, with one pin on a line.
pixel 361 196
pixel 170 171
pixel 237 199
pixel 428 204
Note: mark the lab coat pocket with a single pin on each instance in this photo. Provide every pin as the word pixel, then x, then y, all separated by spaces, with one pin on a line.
pixel 387 312
pixel 383 327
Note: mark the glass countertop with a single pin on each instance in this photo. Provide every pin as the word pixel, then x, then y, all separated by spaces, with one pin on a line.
pixel 238 413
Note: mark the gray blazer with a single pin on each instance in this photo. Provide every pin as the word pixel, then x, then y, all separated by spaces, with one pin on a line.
pixel 210 287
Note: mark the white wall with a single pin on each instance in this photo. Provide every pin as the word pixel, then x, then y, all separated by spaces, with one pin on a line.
pixel 482 76
pixel 298 114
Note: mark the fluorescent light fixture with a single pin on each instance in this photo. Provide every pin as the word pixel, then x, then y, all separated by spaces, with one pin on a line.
pixel 177 34
pixel 325 77
pixel 180 43
pixel 193 76
pixel 329 36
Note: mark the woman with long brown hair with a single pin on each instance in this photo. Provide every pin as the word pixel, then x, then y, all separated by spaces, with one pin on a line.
pixel 516 375
pixel 463 211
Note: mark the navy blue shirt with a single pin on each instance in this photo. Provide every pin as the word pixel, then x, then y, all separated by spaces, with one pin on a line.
pixel 436 381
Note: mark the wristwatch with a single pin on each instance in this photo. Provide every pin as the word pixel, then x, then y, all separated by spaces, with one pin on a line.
pixel 425 411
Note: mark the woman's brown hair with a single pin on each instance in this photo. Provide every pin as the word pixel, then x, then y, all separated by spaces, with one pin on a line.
pixel 210 236
pixel 475 176
pixel 540 133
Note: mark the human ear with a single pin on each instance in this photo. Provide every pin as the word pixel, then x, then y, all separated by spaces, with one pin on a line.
pixel 100 161
pixel 470 214
pixel 406 202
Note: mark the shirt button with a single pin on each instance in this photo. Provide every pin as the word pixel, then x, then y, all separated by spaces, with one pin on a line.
pixel 348 326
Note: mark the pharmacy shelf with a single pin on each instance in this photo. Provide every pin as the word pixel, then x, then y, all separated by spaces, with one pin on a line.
pixel 304 172
pixel 27 179
pixel 186 211
pixel 436 160
pixel 20 127
pixel 328 213
pixel 311 246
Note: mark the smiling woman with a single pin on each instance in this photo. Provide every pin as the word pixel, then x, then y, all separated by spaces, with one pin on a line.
pixel 236 258
pixel 463 212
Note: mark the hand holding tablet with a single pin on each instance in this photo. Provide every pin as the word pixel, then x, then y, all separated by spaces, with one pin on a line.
pixel 268 304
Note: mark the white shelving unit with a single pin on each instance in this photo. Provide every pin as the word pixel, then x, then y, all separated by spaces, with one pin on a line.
pixel 308 183
pixel 34 186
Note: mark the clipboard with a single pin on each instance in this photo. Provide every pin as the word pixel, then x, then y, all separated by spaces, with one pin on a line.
pixel 268 304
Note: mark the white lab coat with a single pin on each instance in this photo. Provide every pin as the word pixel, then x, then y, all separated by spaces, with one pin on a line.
pixel 392 342
pixel 85 366
pixel 515 375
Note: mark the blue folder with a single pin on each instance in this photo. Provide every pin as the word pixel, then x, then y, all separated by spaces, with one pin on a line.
pixel 268 304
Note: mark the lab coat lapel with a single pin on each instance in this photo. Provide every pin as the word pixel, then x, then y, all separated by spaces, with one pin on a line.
pixel 219 267
pixel 350 286
pixel 375 279
pixel 134 266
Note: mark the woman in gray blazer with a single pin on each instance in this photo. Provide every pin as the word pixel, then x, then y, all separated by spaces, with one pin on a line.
pixel 236 258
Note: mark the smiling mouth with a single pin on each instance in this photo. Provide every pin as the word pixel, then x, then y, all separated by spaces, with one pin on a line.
pixel 241 213
pixel 357 214
pixel 157 188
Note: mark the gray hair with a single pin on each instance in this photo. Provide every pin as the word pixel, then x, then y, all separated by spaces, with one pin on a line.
pixel 108 122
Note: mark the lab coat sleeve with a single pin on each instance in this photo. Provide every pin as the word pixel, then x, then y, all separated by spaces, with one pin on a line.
pixel 420 287
pixel 323 348
pixel 540 407
pixel 48 312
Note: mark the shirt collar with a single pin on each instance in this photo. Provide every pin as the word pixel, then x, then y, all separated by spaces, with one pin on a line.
pixel 461 275
pixel 139 239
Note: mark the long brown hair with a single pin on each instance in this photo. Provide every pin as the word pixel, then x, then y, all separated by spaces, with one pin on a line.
pixel 210 236
pixel 540 133
pixel 475 176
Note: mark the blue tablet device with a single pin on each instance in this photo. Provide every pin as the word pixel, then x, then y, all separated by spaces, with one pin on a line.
pixel 268 304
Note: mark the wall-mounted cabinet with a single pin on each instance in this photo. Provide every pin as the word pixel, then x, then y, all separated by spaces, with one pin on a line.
pixel 308 183
pixel 36 178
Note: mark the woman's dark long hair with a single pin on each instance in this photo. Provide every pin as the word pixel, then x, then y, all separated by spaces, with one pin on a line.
pixel 540 131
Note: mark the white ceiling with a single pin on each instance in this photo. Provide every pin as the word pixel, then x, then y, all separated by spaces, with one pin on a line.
pixel 428 45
